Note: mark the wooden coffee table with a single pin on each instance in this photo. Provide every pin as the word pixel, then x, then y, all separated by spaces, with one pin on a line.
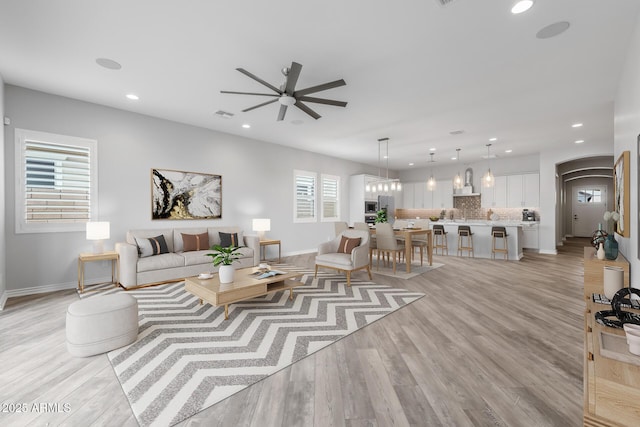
pixel 245 286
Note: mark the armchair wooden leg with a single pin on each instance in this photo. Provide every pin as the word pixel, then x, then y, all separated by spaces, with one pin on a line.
pixel 348 278
pixel 369 271
pixel 316 274
pixel 421 255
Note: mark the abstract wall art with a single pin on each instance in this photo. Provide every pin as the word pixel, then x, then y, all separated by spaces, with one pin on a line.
pixel 621 193
pixel 185 195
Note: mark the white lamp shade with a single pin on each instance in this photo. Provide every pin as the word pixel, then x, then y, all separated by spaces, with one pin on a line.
pixel 261 224
pixel 98 230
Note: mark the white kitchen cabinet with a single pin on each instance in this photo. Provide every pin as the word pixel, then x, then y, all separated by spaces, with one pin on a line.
pixel 418 195
pixel 530 236
pixel 408 196
pixel 496 196
pixel 531 189
pixel 523 190
pixel 443 195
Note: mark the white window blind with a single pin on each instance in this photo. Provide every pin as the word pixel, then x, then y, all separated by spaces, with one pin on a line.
pixel 330 196
pixel 304 196
pixel 55 182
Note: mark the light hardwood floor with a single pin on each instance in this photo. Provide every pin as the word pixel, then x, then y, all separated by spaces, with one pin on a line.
pixel 494 343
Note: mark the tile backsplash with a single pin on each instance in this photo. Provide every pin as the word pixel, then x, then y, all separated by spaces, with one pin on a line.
pixel 468 207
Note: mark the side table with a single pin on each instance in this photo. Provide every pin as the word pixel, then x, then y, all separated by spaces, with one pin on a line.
pixel 90 257
pixel 267 242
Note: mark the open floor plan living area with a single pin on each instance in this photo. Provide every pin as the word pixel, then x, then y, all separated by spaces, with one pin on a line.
pixel 340 214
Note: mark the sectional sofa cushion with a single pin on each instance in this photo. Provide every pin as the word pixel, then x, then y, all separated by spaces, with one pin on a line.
pixel 195 242
pixel 228 239
pixel 160 262
pixel 151 246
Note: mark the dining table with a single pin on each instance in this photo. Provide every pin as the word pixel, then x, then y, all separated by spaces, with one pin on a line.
pixel 408 234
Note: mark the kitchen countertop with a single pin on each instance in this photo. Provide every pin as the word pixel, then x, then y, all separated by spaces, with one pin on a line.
pixel 478 222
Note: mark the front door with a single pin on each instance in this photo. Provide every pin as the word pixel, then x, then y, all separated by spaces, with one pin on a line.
pixel 589 204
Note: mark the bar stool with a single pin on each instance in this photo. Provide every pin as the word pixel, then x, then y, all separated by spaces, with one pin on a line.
pixel 499 233
pixel 440 239
pixel 465 240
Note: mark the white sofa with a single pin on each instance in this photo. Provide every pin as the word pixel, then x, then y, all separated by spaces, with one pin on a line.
pixel 135 271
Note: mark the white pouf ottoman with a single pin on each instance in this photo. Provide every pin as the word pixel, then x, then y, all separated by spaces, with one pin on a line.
pixel 102 323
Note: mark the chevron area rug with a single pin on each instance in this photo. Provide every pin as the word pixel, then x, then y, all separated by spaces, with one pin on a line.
pixel 187 357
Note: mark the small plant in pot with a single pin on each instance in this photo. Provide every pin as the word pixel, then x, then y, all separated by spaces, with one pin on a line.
pixel 225 257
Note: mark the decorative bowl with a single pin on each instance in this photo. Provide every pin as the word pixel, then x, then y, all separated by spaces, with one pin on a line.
pixel 434 218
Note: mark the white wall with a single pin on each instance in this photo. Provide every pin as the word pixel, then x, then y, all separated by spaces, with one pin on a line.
pixel 627 129
pixel 500 166
pixel 3 250
pixel 257 181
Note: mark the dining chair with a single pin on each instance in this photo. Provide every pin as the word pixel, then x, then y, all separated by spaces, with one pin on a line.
pixel 372 238
pixel 420 241
pixel 387 244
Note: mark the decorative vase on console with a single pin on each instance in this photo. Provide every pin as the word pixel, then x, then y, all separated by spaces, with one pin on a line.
pixel 598 237
pixel 610 243
pixel 600 251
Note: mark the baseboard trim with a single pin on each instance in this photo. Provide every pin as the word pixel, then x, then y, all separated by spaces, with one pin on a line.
pixel 33 290
pixel 548 252
pixel 302 252
pixel 3 299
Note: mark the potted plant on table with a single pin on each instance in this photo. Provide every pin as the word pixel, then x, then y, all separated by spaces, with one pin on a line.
pixel 225 257
pixel 381 216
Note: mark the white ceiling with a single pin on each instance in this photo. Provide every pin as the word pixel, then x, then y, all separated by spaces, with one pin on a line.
pixel 415 70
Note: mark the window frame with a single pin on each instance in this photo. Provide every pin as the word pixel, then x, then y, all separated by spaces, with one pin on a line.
pixel 323 198
pixel 314 176
pixel 21 223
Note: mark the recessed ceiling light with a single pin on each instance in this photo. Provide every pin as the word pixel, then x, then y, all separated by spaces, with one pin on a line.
pixel 454 158
pixel 432 149
pixel 508 151
pixel 108 63
pixel 553 30
pixel 456 132
pixel 580 141
pixel 493 139
pixel 133 96
pixel 410 164
pixel 385 157
pixel 576 125
pixel 521 6
pixel 246 125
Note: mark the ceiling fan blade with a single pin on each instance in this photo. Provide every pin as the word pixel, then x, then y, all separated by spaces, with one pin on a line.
pixel 282 112
pixel 259 80
pixel 292 78
pixel 323 101
pixel 307 110
pixel 260 105
pixel 319 88
pixel 249 93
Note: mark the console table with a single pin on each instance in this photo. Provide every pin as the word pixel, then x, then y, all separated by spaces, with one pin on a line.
pixel 611 373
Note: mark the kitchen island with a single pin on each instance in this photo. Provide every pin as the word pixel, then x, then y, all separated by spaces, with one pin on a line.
pixel 482 237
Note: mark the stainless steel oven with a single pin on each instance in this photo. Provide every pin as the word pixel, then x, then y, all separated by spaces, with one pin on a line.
pixel 370 219
pixel 370 207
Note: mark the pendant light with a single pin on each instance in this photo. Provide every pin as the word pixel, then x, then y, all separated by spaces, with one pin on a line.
pixel 384 184
pixel 487 179
pixel 431 182
pixel 457 180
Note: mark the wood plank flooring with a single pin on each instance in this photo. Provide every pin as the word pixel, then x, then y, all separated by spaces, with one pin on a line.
pixel 494 343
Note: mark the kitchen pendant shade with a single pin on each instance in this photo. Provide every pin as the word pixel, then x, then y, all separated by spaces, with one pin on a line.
pixel 488 179
pixel 457 180
pixel 431 182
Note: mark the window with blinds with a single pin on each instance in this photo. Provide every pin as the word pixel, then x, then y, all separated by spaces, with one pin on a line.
pixel 330 197
pixel 56 182
pixel 304 209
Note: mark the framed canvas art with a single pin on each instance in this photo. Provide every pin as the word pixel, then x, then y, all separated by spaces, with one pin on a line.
pixel 185 195
pixel 621 193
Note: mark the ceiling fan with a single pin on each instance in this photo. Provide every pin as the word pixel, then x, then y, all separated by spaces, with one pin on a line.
pixel 287 95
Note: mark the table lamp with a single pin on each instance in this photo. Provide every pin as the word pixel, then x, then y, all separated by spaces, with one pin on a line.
pixel 261 225
pixel 98 231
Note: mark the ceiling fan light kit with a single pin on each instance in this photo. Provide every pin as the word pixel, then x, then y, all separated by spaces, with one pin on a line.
pixel 287 95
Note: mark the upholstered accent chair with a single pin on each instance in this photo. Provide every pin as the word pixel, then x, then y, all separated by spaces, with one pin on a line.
pixel 344 254
pixel 340 226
